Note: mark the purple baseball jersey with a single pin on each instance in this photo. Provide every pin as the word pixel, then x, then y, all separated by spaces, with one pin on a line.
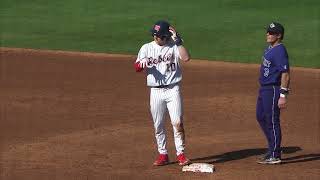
pixel 274 61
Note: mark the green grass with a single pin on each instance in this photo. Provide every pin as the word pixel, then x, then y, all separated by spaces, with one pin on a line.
pixel 231 30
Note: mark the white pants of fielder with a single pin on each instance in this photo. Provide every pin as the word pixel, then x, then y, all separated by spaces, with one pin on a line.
pixel 162 99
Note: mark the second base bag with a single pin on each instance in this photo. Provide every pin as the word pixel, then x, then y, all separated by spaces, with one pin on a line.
pixel 199 167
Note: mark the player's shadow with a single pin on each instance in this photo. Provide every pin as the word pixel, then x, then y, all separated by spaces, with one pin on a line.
pixel 242 154
pixel 159 78
pixel 301 158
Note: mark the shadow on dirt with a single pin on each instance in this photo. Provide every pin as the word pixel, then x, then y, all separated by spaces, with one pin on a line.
pixel 245 153
pixel 301 158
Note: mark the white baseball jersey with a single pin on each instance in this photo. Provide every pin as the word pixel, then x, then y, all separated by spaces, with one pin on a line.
pixel 163 67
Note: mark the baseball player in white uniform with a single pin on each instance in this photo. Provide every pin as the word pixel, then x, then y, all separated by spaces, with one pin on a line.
pixel 161 61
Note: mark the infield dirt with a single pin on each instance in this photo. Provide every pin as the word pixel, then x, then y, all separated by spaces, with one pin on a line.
pixel 74 116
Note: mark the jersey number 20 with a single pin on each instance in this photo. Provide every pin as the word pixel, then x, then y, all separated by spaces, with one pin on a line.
pixel 171 67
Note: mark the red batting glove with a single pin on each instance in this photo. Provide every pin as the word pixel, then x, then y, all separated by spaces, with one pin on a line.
pixel 138 67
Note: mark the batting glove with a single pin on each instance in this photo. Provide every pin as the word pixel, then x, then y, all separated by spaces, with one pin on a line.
pixel 175 36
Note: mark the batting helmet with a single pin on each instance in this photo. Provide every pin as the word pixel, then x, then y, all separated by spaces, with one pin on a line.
pixel 161 29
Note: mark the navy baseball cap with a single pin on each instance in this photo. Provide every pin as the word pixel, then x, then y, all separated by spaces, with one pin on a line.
pixel 275 28
pixel 161 29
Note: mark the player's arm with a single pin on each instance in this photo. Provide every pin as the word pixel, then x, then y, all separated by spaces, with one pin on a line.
pixel 284 90
pixel 285 80
pixel 141 60
pixel 283 67
pixel 184 54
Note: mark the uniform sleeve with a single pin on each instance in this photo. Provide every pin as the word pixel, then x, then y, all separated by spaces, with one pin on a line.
pixel 141 54
pixel 282 60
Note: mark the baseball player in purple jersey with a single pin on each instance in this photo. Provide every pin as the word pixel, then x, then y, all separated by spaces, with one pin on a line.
pixel 274 88
pixel 161 60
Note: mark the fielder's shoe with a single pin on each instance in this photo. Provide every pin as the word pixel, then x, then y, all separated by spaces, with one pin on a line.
pixel 183 160
pixel 162 159
pixel 263 156
pixel 270 160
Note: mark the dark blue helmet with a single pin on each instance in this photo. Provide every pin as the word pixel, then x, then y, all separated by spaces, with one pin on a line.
pixel 161 29
pixel 277 28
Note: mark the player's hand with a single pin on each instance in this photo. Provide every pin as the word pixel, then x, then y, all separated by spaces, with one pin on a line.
pixel 282 102
pixel 143 63
pixel 175 36
pixel 173 32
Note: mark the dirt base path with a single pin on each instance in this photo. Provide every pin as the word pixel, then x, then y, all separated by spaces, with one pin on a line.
pixel 85 116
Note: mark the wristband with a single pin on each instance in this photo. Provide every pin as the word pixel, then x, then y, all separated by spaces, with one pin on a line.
pixel 282 95
pixel 284 91
pixel 178 40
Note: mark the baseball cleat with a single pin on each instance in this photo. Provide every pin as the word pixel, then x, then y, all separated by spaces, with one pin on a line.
pixel 162 159
pixel 263 157
pixel 271 160
pixel 183 160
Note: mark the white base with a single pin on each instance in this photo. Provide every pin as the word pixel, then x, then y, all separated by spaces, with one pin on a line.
pixel 199 167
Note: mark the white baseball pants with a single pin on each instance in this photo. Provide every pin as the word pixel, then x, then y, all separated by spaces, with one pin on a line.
pixel 162 99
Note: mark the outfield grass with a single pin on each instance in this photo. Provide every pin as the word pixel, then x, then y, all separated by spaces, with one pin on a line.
pixel 231 30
